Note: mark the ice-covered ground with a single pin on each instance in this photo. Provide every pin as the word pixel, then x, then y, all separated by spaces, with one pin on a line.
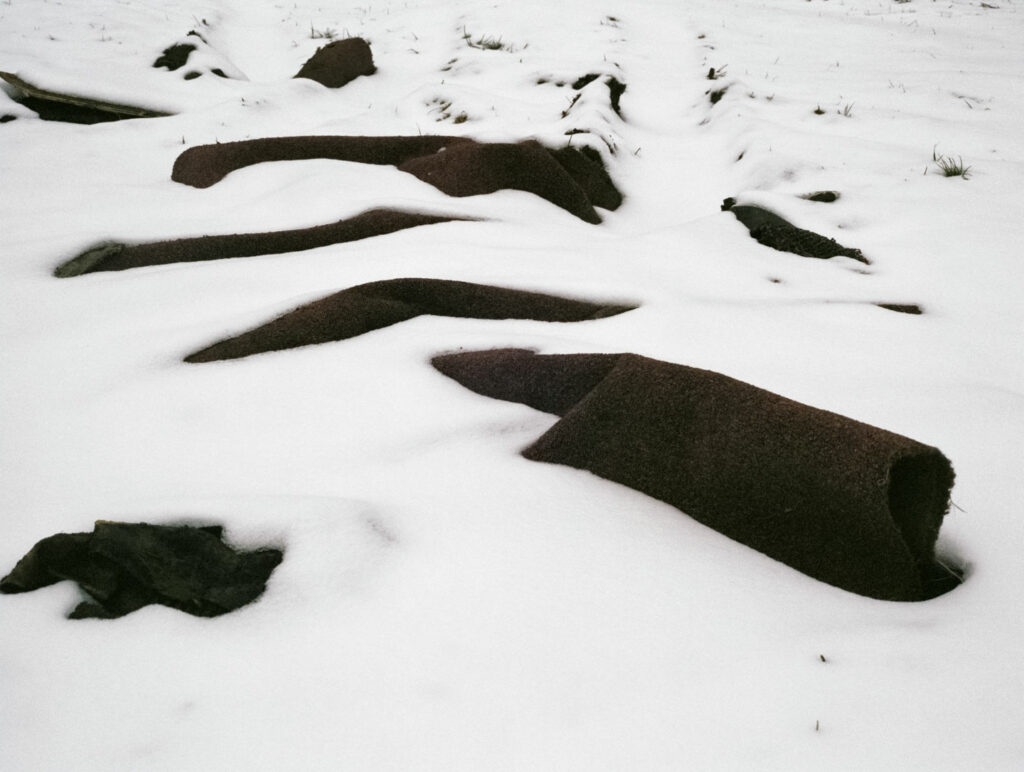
pixel 444 603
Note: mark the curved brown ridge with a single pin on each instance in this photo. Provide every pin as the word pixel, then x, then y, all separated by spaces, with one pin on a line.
pixel 852 505
pixel 114 256
pixel 457 166
pixel 368 307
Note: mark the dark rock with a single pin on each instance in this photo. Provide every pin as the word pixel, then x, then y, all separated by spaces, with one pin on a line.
pixel 852 505
pixel 339 62
pixel 115 256
pixel 125 566
pixel 367 307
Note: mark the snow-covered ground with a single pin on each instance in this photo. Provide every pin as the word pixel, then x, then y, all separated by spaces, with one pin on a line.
pixel 443 602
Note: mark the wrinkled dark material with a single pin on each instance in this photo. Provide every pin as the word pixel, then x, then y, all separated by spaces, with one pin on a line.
pixel 852 505
pixel 125 566
pixel 571 179
pixel 115 256
pixel 367 307
pixel 778 233
pixel 339 62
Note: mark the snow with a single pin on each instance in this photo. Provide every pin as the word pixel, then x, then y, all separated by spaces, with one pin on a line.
pixel 444 603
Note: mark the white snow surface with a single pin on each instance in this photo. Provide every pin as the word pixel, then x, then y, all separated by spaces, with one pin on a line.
pixel 445 604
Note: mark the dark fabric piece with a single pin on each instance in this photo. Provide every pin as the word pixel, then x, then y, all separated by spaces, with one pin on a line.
pixel 457 166
pixel 847 503
pixel 776 232
pixel 125 566
pixel 114 256
pixel 73 108
pixel 473 169
pixel 339 62
pixel 368 307
pixel 174 57
pixel 205 165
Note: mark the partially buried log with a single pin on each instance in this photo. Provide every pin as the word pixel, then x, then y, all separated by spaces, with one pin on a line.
pixel 117 256
pixel 373 306
pixel 853 505
pixel 571 179
pixel 125 566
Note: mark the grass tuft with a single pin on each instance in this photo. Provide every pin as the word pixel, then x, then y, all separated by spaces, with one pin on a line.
pixel 949 166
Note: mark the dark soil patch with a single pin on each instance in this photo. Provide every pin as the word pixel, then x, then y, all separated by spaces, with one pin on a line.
pixel 846 503
pixel 339 63
pixel 776 232
pixel 115 256
pixel 368 307
pixel 457 166
pixel 125 566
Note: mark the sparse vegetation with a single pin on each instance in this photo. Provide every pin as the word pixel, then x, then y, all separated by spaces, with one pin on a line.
pixel 327 33
pixel 489 43
pixel 949 166
pixel 846 110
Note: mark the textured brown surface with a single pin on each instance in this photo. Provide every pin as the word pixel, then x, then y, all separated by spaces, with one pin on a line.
pixel 125 566
pixel 847 503
pixel 778 233
pixel 339 62
pixel 367 307
pixel 571 179
pixel 113 256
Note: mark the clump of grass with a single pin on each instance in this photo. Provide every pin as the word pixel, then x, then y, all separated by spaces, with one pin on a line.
pixel 489 43
pixel 327 33
pixel 949 166
pixel 846 110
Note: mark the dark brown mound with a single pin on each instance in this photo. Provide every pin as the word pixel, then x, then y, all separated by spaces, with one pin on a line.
pixel 847 503
pixel 114 256
pixel 776 232
pixel 339 62
pixel 457 166
pixel 368 307
pixel 125 566
pixel 472 169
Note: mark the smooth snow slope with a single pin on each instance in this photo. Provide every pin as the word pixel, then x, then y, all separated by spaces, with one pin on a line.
pixel 444 603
